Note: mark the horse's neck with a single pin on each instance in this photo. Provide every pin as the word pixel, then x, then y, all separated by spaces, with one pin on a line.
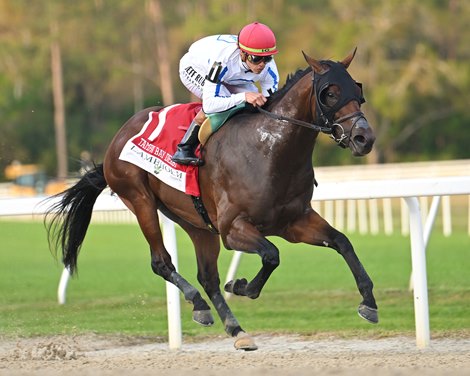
pixel 298 101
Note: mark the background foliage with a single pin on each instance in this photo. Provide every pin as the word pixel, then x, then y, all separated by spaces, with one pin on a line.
pixel 413 59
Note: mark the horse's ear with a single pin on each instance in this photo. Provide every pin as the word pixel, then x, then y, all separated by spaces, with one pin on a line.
pixel 346 61
pixel 315 64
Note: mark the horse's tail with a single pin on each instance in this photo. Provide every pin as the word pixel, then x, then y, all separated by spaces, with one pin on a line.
pixel 67 220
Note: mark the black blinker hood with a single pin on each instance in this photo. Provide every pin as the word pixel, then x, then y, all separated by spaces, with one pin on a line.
pixel 339 76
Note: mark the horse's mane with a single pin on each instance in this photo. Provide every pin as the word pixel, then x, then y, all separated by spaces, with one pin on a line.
pixel 291 80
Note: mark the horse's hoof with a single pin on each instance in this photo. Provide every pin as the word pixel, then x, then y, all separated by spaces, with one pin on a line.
pixel 203 317
pixel 367 313
pixel 236 287
pixel 253 295
pixel 245 342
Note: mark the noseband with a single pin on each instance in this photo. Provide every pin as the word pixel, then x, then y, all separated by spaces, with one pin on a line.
pixel 325 123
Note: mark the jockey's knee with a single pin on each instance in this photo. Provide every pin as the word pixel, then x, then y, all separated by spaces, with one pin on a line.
pixel 200 117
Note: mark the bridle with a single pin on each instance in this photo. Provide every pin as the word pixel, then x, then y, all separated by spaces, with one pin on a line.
pixel 357 115
pixel 325 121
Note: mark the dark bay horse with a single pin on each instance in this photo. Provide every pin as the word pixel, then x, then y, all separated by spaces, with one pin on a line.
pixel 257 181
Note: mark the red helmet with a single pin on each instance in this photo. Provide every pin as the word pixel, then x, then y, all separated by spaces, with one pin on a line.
pixel 257 39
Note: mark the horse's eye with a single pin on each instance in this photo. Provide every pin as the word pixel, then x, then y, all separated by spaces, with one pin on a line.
pixel 329 99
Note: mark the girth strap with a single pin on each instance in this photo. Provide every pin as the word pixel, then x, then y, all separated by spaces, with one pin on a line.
pixel 201 209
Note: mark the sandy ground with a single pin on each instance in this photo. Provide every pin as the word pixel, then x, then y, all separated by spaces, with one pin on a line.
pixel 277 355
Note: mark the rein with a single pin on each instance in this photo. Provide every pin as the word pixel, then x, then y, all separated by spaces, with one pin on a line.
pixel 319 128
pixel 286 119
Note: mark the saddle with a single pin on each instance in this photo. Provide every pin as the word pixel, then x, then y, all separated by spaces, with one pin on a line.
pixel 214 121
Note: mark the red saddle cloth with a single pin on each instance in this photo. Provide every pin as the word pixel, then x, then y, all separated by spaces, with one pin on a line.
pixel 152 148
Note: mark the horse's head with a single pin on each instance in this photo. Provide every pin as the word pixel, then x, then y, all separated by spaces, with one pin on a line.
pixel 338 104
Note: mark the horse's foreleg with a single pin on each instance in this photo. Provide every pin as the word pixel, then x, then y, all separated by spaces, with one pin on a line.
pixel 313 229
pixel 243 236
pixel 207 247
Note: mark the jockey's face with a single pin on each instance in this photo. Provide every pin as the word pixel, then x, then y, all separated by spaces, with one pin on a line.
pixel 256 68
pixel 255 63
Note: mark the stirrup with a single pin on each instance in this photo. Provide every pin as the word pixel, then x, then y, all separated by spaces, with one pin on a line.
pixel 186 157
pixel 188 161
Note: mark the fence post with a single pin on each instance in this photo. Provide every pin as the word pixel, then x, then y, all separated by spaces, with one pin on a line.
pixel 428 228
pixel 373 216
pixel 351 216
pixel 172 292
pixel 62 289
pixel 388 216
pixel 418 262
pixel 362 211
pixel 446 216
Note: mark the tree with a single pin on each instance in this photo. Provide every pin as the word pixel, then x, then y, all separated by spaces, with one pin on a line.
pixel 117 57
pixel 162 60
pixel 59 107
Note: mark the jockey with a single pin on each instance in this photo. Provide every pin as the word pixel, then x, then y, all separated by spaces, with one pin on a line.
pixel 222 70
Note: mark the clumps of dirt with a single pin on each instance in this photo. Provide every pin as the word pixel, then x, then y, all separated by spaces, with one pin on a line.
pixel 49 350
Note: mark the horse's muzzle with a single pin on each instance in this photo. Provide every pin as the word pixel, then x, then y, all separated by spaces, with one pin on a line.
pixel 362 138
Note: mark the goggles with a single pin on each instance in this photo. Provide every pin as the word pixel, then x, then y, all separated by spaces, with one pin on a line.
pixel 255 59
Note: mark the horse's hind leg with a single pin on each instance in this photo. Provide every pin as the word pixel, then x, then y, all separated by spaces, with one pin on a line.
pixel 201 310
pixel 313 229
pixel 143 205
pixel 207 247
pixel 162 266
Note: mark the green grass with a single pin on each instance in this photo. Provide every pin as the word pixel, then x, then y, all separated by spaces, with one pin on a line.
pixel 311 292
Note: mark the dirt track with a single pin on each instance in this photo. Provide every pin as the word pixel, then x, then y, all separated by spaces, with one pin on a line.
pixel 277 355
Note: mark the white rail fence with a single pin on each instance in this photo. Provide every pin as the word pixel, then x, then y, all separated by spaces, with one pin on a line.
pixel 374 216
pixel 408 189
pixel 390 214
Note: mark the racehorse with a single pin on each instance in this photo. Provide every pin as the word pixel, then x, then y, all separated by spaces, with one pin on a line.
pixel 257 181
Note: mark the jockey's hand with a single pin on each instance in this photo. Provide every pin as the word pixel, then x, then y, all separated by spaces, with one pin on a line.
pixel 256 99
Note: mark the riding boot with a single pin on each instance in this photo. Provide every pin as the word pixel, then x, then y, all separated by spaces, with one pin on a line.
pixel 185 151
